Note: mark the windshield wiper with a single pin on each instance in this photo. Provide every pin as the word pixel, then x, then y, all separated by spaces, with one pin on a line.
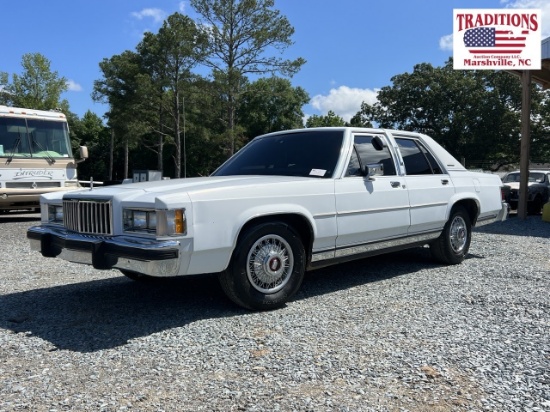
pixel 14 148
pixel 50 159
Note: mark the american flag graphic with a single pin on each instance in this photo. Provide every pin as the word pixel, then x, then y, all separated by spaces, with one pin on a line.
pixel 491 40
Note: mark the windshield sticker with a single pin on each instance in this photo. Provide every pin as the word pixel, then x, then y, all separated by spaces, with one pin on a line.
pixel 317 172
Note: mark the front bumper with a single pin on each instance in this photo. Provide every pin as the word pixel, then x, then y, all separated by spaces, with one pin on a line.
pixel 147 256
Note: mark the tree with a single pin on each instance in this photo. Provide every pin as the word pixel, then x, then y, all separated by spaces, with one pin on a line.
pixel 168 58
pixel 91 132
pixel 242 33
pixel 36 88
pixel 271 104
pixel 330 120
pixel 540 126
pixel 361 118
pixel 473 114
pixel 119 87
pixel 4 94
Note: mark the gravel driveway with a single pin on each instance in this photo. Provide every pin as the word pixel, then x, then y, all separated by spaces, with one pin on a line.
pixel 391 333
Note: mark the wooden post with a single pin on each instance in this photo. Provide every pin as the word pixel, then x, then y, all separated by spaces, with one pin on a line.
pixel 525 142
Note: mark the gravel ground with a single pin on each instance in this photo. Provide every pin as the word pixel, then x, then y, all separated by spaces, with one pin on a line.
pixel 391 333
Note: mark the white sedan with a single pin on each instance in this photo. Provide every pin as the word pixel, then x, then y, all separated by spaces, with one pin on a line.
pixel 287 202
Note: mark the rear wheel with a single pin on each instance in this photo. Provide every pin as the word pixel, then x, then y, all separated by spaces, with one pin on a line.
pixel 452 246
pixel 267 267
pixel 535 207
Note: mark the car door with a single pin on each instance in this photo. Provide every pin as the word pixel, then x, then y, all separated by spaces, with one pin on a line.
pixel 370 211
pixel 429 187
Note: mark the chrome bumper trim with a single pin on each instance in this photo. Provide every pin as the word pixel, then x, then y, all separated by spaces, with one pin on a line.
pixel 147 256
pixel 501 216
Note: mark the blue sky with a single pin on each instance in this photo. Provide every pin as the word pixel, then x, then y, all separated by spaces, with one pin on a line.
pixel 352 47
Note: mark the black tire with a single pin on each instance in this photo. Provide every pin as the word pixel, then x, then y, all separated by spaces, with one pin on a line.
pixel 138 277
pixel 534 207
pixel 452 246
pixel 267 267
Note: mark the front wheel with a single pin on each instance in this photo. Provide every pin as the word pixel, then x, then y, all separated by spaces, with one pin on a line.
pixel 267 267
pixel 453 244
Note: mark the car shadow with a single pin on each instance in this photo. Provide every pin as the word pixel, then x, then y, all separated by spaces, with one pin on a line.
pixel 107 313
pixel 532 226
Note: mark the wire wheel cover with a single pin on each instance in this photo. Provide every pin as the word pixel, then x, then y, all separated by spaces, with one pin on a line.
pixel 458 234
pixel 270 263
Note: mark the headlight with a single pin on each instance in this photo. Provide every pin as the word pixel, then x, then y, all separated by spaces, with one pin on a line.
pixel 55 214
pixel 160 222
pixel 136 220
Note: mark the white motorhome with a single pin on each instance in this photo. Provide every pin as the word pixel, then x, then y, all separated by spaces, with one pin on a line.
pixel 35 157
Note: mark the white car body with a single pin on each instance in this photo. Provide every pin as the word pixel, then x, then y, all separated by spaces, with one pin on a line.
pixel 337 218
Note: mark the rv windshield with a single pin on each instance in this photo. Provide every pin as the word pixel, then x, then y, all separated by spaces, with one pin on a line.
pixel 21 137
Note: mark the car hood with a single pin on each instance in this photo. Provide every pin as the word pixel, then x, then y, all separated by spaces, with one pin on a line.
pixel 194 187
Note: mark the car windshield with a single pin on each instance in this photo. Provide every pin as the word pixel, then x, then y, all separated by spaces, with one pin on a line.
pixel 515 177
pixel 312 153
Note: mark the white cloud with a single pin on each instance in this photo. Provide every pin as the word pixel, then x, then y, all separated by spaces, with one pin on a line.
pixel 157 15
pixel 344 101
pixel 446 42
pixel 543 5
pixel 73 86
pixel 182 7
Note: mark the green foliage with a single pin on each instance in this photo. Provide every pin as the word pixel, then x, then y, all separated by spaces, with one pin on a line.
pixel 119 87
pixel 4 94
pixel 241 33
pixel 330 120
pixel 473 114
pixel 190 124
pixel 540 128
pixel 361 118
pixel 91 132
pixel 271 104
pixel 167 59
pixel 36 88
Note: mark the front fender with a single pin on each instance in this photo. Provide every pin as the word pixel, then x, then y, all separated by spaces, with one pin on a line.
pixel 266 210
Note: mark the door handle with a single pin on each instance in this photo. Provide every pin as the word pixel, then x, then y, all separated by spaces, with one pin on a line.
pixel 444 181
pixel 395 184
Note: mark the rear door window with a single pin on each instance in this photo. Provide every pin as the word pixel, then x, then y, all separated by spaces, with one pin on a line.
pixel 418 160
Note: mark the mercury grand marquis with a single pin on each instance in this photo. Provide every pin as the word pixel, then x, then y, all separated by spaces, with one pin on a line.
pixel 286 203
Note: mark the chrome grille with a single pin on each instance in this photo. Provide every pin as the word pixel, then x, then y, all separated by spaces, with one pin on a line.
pixel 88 216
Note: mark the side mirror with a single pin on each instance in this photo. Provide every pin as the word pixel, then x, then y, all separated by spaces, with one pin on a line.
pixel 372 169
pixel 378 143
pixel 83 154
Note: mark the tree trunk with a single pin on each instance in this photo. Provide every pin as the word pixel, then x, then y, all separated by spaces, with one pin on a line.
pixel 126 157
pixel 177 137
pixel 160 158
pixel 111 154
